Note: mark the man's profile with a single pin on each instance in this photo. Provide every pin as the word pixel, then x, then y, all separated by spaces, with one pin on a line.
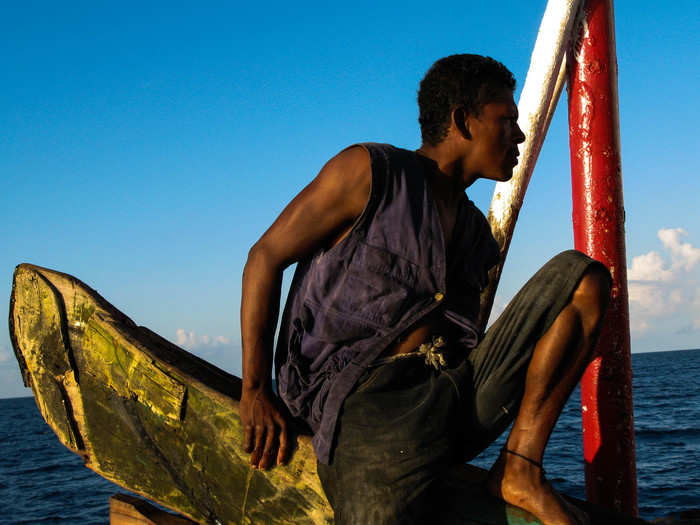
pixel 379 352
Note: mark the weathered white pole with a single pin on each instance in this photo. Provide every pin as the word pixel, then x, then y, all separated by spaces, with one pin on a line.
pixel 537 103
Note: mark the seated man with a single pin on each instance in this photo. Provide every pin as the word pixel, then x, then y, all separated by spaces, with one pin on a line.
pixel 378 350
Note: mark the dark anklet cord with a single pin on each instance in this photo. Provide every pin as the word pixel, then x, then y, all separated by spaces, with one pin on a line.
pixel 529 460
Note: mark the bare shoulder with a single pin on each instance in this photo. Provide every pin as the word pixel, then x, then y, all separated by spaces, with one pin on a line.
pixel 322 212
pixel 348 175
pixel 352 158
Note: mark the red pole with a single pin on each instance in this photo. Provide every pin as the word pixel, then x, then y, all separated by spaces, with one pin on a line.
pixel 598 217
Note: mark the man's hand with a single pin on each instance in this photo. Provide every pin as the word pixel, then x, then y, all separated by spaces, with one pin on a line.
pixel 264 428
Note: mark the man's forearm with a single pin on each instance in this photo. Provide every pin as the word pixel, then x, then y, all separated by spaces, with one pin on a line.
pixel 262 283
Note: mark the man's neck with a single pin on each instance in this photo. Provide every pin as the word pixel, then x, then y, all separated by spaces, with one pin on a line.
pixel 447 178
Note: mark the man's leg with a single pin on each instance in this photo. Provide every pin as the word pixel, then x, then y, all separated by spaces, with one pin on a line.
pixel 558 361
pixel 526 367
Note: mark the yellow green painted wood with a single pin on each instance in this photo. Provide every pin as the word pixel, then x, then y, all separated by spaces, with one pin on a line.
pixel 146 414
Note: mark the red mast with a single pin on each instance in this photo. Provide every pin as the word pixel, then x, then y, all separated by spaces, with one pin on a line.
pixel 598 219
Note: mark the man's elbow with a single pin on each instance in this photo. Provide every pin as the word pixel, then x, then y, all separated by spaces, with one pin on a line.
pixel 262 258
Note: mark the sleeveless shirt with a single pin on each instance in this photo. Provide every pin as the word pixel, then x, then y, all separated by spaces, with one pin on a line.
pixel 347 304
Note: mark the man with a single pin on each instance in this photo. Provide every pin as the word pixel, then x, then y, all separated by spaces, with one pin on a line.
pixel 378 350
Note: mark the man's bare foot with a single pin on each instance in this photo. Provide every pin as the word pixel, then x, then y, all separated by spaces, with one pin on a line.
pixel 520 481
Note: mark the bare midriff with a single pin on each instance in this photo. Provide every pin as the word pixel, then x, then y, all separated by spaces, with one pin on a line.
pixel 415 335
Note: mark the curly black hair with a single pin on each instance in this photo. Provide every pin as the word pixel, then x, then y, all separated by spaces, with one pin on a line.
pixel 464 80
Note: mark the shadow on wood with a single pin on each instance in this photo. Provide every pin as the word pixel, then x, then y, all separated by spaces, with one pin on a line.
pixel 130 510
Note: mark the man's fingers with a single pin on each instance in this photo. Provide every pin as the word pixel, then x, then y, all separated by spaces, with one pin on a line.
pixel 248 438
pixel 282 452
pixel 259 443
pixel 283 441
pixel 266 461
pixel 267 439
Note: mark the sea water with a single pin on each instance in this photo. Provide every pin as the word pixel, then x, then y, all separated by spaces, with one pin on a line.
pixel 42 482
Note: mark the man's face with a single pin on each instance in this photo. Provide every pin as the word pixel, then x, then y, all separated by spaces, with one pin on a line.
pixel 494 137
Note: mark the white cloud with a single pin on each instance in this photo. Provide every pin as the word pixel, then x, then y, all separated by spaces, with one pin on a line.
pixel 186 339
pixel 651 299
pixel 190 340
pixel 4 354
pixel 638 326
pixel 652 267
pixel 649 267
pixel 684 255
pixel 675 297
pixel 659 290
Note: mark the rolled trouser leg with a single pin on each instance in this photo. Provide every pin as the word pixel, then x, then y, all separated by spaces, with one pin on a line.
pixel 495 370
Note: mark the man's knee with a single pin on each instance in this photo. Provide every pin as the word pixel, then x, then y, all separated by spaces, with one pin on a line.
pixel 592 294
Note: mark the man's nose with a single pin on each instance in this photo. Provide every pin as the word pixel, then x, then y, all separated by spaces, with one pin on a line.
pixel 519 135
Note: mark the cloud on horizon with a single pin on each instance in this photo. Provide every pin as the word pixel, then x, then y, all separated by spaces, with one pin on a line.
pixel 218 350
pixel 190 340
pixel 659 290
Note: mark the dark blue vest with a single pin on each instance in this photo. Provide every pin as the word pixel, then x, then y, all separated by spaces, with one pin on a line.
pixel 346 305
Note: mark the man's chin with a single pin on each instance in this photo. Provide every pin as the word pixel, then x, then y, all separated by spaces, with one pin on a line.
pixel 506 176
pixel 503 176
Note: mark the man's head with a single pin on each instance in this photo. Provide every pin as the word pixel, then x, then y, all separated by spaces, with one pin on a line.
pixel 466 81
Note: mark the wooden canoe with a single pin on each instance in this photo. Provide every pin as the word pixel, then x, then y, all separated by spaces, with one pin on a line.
pixel 163 423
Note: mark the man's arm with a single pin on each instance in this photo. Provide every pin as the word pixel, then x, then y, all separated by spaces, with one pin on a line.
pixel 321 214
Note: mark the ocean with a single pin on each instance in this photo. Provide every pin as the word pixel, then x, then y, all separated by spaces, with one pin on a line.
pixel 41 482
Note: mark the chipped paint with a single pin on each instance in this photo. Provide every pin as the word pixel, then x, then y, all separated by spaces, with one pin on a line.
pixel 538 100
pixel 598 217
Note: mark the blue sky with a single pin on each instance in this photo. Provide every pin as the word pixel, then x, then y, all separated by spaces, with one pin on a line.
pixel 145 148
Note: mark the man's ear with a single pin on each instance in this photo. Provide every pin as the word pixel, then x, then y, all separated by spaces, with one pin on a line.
pixel 461 120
